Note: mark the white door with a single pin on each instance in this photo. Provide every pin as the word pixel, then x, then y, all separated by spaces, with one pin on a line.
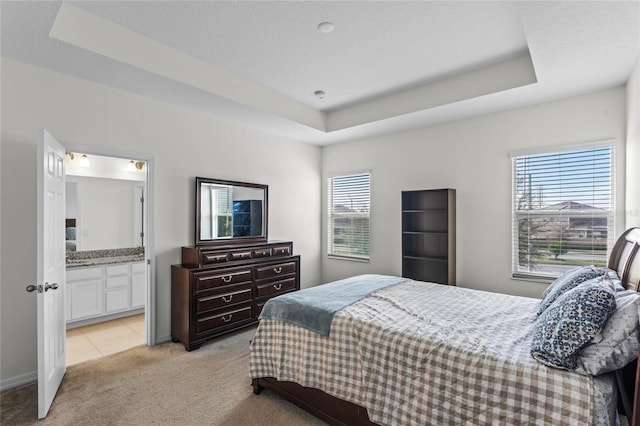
pixel 50 287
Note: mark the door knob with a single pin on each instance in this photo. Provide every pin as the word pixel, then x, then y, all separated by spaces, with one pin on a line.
pixel 48 286
pixel 31 287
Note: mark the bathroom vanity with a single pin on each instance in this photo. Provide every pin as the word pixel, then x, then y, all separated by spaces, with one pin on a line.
pixel 104 284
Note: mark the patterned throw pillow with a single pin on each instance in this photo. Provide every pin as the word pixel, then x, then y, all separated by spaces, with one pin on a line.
pixel 571 322
pixel 566 282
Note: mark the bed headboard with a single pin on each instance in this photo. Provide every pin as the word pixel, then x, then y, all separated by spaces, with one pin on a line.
pixel 624 259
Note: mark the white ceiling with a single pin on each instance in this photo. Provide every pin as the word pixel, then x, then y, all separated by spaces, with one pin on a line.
pixel 387 66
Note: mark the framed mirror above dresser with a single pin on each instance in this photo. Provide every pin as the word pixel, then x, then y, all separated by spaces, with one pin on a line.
pixel 226 277
pixel 228 212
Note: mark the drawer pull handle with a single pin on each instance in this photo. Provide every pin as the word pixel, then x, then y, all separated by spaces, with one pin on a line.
pixel 227 279
pixel 277 270
pixel 227 300
pixel 277 286
pixel 225 319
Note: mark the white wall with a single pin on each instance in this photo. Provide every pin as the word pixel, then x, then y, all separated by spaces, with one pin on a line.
pixel 472 157
pixel 184 144
pixel 633 147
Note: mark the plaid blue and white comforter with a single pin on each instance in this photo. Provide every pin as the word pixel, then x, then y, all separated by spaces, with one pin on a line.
pixel 429 354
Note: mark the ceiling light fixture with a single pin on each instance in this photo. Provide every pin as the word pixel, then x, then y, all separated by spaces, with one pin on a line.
pixel 319 94
pixel 326 27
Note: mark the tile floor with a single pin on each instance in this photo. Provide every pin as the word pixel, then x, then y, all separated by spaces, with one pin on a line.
pixel 105 338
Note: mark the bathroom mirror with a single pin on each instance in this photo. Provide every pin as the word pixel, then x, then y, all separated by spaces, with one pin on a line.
pixel 230 212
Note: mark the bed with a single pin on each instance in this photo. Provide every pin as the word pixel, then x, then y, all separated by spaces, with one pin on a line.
pixel 393 351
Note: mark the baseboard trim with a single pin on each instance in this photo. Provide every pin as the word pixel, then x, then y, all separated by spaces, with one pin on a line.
pixel 163 339
pixel 103 318
pixel 22 379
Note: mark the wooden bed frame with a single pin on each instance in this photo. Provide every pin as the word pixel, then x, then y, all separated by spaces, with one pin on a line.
pixel 338 412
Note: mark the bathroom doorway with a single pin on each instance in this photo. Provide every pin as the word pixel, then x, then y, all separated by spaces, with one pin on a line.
pixel 109 292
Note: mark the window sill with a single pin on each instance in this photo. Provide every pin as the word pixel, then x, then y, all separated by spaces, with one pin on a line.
pixel 533 278
pixel 353 259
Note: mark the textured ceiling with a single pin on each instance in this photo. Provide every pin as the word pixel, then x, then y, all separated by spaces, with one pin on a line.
pixel 386 67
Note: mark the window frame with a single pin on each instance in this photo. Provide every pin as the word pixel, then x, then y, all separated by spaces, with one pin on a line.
pixel 331 214
pixel 612 215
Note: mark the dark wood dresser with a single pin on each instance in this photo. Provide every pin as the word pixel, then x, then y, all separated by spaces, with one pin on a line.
pixel 217 290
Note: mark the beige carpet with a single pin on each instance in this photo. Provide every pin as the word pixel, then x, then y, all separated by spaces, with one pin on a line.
pixel 162 385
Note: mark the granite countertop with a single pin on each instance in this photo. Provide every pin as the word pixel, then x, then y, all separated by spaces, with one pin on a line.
pixel 76 259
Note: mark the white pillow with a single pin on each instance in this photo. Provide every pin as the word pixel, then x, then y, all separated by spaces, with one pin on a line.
pixel 618 343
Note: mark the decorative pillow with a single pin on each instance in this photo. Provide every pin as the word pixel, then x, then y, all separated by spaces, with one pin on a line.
pixel 571 322
pixel 619 341
pixel 566 282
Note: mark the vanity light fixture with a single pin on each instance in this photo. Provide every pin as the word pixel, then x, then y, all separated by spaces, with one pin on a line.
pixel 84 161
pixel 135 166
pixel 69 156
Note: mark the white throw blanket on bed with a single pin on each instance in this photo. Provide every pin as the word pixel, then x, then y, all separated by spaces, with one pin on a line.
pixel 420 353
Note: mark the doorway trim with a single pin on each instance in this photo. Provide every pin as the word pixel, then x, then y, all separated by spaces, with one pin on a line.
pixel 150 304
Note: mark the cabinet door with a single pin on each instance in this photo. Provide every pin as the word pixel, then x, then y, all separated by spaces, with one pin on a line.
pixel 138 290
pixel 86 298
pixel 117 299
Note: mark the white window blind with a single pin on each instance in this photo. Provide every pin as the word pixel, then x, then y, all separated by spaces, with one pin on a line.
pixel 349 198
pixel 563 210
pixel 216 212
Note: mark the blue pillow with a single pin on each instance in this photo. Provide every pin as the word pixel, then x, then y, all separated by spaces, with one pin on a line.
pixel 566 282
pixel 571 322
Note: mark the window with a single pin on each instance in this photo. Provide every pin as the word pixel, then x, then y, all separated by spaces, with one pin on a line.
pixel 216 205
pixel 563 211
pixel 348 202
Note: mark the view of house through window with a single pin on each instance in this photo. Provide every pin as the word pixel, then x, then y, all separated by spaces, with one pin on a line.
pixel 348 216
pixel 563 210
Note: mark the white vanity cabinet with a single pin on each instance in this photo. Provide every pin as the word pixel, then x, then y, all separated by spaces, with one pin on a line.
pixel 84 292
pixel 117 287
pixel 104 290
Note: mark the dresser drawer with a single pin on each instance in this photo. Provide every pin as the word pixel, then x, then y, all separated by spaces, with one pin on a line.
pixel 215 301
pixel 282 251
pixel 275 270
pixel 223 319
pixel 261 252
pixel 210 258
pixel 240 255
pixel 275 287
pixel 212 279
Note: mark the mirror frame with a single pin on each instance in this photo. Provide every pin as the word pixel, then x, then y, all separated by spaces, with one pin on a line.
pixel 231 240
